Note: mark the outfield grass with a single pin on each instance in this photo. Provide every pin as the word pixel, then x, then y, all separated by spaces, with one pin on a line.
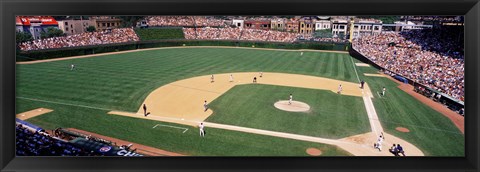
pixel 331 115
pixel 217 142
pixel 430 131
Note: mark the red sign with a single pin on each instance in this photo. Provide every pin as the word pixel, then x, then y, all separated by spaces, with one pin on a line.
pixel 27 20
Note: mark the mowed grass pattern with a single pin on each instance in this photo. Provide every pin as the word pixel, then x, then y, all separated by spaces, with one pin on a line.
pixel 330 116
pixel 217 142
pixel 430 131
pixel 122 81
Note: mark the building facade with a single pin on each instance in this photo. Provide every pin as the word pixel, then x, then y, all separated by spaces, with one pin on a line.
pixel 366 27
pixel 258 24
pixel 323 24
pixel 103 23
pixel 279 24
pixel 34 25
pixel 71 27
pixel 339 27
pixel 292 26
pixel 306 26
pixel 238 23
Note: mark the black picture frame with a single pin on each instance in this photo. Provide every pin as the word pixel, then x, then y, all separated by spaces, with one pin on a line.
pixel 9 9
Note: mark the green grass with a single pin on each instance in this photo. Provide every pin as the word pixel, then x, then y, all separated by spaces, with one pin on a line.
pixel 331 115
pixel 159 33
pixel 216 143
pixel 430 131
pixel 122 82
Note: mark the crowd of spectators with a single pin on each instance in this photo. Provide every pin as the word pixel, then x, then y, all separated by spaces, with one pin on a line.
pixel 40 143
pixel 430 57
pixel 180 21
pixel 239 34
pixel 112 36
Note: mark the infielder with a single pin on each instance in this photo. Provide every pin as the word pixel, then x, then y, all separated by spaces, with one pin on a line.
pixel 202 131
pixel 231 78
pixel 261 74
pixel 383 91
pixel 72 66
pixel 339 89
pixel 290 100
pixel 255 79
pixel 205 106
pixel 144 109
pixel 212 79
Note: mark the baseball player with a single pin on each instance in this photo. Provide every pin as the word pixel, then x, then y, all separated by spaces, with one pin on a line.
pixel 261 74
pixel 144 109
pixel 202 131
pixel 290 100
pixel 212 79
pixel 72 66
pixel 378 145
pixel 339 89
pixel 361 84
pixel 383 91
pixel 301 53
pixel 231 78
pixel 255 79
pixel 205 106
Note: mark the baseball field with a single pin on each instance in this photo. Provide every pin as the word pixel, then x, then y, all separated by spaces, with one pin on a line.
pixel 104 94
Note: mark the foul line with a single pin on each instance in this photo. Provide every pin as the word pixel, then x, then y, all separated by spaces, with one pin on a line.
pixel 185 129
pixel 355 68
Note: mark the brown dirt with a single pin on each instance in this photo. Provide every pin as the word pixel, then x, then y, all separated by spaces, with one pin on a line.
pixel 314 152
pixel 296 106
pixel 141 149
pixel 402 129
pixel 457 119
pixel 33 113
pixel 371 74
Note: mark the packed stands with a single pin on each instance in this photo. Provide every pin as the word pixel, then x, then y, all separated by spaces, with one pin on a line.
pixel 112 36
pixel 431 57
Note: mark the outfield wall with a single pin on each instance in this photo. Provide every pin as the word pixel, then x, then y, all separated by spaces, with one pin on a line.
pixel 86 50
pixel 452 103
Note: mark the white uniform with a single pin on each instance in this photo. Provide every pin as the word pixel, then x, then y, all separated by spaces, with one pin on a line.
pixel 383 91
pixel 72 67
pixel 379 143
pixel 301 53
pixel 290 100
pixel 202 132
pixel 231 78
pixel 340 89
pixel 212 78
pixel 205 106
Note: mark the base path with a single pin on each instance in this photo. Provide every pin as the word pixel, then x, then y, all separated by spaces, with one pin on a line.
pixel 184 99
pixel 141 149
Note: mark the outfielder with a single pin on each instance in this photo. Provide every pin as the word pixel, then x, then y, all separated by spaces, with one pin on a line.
pixel 301 53
pixel 202 131
pixel 339 89
pixel 72 66
pixel 290 100
pixel 383 91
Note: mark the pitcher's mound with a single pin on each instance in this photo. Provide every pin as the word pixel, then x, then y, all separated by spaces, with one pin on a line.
pixel 314 152
pixel 296 106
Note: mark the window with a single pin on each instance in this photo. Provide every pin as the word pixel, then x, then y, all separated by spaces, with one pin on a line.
pixel 72 31
pixel 303 26
pixel 103 24
pixel 66 29
pixel 238 24
pixel 66 23
pixel 108 24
